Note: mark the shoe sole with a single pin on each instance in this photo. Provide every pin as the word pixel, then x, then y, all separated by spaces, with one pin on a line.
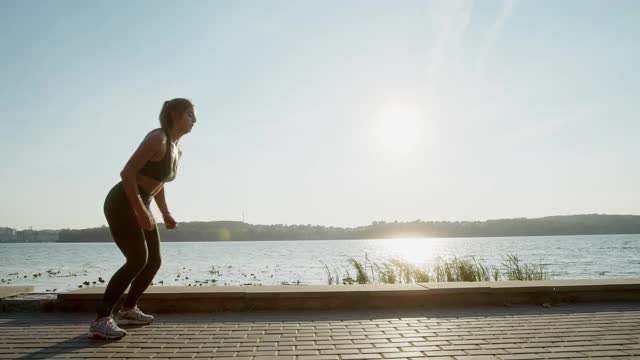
pixel 97 335
pixel 132 322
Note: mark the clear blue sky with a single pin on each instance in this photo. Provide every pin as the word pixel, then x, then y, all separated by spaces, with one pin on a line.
pixel 326 112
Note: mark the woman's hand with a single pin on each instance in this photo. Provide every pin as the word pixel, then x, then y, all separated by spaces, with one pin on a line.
pixel 169 222
pixel 145 219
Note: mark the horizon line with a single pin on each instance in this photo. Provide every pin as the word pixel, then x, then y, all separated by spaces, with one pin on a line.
pixel 345 227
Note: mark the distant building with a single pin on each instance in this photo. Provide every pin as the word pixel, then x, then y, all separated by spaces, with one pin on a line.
pixel 46 236
pixel 7 234
pixel 24 236
pixel 38 235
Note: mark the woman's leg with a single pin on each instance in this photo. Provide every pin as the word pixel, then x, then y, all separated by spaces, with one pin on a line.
pixel 144 278
pixel 129 237
pixel 132 244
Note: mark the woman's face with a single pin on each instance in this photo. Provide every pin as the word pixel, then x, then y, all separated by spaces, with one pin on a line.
pixel 185 122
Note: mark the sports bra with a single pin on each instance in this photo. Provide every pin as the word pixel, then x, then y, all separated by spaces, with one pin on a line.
pixel 165 169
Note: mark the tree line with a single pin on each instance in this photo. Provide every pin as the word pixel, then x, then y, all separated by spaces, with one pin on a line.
pixel 240 231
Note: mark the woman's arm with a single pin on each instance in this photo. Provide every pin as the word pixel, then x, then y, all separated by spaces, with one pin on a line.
pixel 161 201
pixel 150 146
pixel 169 222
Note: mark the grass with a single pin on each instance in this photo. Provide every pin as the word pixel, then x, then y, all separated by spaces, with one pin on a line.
pixel 516 270
pixel 396 271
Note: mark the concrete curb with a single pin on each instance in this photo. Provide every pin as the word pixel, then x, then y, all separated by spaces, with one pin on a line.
pixel 165 299
pixel 32 302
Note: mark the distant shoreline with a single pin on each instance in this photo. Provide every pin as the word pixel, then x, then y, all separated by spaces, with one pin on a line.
pixel 569 225
pixel 350 239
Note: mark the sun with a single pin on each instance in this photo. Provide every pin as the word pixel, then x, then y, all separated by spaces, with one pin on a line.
pixel 400 127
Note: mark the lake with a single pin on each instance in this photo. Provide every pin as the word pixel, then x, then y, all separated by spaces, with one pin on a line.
pixel 65 266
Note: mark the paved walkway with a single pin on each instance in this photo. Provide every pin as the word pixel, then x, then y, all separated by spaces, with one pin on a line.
pixel 519 332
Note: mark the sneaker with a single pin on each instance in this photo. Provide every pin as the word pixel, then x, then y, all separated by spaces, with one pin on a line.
pixel 133 316
pixel 106 328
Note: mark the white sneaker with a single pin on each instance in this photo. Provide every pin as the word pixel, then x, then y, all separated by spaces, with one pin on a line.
pixel 133 316
pixel 106 328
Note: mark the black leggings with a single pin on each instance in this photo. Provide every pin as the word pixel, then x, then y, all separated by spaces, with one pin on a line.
pixel 140 247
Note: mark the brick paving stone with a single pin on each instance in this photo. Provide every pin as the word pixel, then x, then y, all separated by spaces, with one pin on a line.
pixel 580 331
pixel 519 357
pixel 486 352
pixel 403 354
pixel 604 353
pixel 563 355
pixel 445 353
pixel 527 350
pixel 340 351
pixel 390 344
pixel 459 347
pixel 384 350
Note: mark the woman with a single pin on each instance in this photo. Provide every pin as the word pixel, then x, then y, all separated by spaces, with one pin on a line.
pixel 130 220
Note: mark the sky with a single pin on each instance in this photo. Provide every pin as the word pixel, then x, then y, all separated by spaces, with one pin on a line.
pixel 335 113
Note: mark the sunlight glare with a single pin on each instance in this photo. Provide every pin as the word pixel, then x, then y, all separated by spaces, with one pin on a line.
pixel 400 127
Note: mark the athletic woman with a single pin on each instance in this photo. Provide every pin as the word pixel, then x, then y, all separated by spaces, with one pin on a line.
pixel 132 226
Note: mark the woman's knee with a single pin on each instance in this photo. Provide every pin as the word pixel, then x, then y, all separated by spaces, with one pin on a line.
pixel 154 262
pixel 136 265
